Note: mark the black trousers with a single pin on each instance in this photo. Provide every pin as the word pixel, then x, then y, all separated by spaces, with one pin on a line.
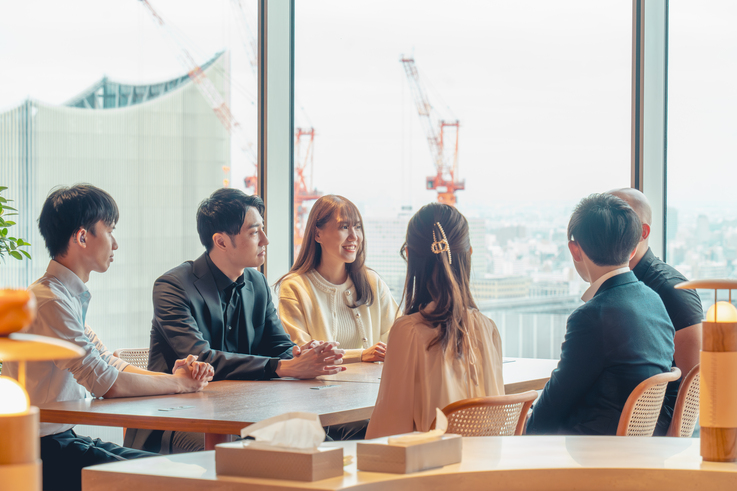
pixel 65 454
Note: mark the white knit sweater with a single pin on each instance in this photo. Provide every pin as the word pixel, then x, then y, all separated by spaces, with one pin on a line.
pixel 310 308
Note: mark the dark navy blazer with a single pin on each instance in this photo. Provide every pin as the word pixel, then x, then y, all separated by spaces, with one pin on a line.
pixel 188 318
pixel 620 337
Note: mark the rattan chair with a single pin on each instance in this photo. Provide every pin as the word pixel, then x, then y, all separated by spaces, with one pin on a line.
pixel 490 416
pixel 138 357
pixel 686 411
pixel 641 411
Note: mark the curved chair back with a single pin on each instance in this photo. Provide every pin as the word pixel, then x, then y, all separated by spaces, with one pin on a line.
pixel 641 411
pixel 490 416
pixel 686 411
pixel 138 357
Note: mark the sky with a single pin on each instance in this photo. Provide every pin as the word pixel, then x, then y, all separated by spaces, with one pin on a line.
pixel 541 89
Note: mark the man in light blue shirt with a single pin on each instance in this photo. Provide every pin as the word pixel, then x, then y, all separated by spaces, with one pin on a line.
pixel 77 225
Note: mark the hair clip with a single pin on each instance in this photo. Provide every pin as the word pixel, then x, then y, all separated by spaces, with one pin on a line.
pixel 440 246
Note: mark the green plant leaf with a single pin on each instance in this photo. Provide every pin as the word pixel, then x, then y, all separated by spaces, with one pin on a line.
pixel 3 200
pixel 3 188
pixel 16 255
pixel 4 231
pixel 12 245
pixel 26 254
pixel 9 223
pixel 20 242
pixel 9 208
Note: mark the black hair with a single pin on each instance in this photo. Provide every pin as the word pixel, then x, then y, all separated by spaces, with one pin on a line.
pixel 224 212
pixel 606 228
pixel 68 209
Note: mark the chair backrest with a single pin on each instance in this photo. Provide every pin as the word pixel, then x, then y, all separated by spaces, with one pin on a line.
pixel 641 411
pixel 138 357
pixel 490 416
pixel 686 410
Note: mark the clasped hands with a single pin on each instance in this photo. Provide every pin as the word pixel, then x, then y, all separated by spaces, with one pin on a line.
pixel 198 371
pixel 312 359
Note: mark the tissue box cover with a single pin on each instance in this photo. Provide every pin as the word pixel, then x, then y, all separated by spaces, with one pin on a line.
pixel 235 459
pixel 395 459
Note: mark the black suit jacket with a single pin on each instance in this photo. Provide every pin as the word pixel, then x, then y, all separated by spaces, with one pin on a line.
pixel 620 337
pixel 188 319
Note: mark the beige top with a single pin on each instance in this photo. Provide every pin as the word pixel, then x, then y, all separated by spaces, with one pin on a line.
pixel 310 307
pixel 416 380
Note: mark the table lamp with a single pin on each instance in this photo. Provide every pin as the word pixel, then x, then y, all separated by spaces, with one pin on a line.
pixel 20 465
pixel 718 372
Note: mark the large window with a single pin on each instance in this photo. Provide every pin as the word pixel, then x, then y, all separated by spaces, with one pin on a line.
pixel 702 149
pixel 99 92
pixel 537 97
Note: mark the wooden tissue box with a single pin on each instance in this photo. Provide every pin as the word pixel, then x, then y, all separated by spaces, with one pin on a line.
pixel 237 459
pixel 396 459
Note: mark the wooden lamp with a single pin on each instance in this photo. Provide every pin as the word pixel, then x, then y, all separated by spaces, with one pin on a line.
pixel 718 372
pixel 20 465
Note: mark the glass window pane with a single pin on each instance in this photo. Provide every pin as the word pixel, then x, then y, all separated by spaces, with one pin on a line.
pixel 702 103
pixel 540 92
pixel 98 92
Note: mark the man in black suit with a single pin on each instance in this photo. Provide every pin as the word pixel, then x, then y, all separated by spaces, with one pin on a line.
pixel 618 338
pixel 219 308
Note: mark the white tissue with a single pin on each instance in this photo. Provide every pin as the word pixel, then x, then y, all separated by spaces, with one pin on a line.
pixel 295 430
pixel 441 424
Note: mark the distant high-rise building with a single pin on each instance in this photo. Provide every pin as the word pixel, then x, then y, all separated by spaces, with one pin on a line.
pixel 158 149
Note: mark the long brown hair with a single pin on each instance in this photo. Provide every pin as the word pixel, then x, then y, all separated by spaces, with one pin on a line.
pixel 443 277
pixel 310 254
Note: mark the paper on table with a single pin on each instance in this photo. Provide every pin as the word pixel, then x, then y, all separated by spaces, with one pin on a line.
pixel 297 430
pixel 441 424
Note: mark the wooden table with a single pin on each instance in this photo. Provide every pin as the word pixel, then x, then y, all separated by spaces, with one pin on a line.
pixel 553 463
pixel 520 374
pixel 223 408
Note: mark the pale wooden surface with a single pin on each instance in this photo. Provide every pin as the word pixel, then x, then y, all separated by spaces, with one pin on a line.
pixel 223 407
pixel 520 374
pixel 506 463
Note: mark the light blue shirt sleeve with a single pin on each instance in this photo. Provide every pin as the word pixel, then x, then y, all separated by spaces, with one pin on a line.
pixel 60 319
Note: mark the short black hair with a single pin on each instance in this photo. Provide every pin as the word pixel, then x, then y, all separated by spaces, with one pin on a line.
pixel 68 209
pixel 606 228
pixel 224 212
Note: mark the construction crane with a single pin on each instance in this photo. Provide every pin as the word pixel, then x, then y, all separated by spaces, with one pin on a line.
pixel 445 181
pixel 207 89
pixel 304 139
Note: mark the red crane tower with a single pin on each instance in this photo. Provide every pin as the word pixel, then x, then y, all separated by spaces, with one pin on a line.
pixel 303 191
pixel 445 181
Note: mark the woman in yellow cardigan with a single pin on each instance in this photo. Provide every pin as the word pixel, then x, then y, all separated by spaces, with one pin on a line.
pixel 330 294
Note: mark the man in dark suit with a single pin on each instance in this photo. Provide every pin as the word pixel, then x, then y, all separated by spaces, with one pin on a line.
pixel 219 308
pixel 618 338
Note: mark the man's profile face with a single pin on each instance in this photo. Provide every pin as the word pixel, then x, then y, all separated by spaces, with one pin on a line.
pixel 100 246
pixel 249 246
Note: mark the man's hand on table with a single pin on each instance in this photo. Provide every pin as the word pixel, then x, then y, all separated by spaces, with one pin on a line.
pixel 313 359
pixel 196 373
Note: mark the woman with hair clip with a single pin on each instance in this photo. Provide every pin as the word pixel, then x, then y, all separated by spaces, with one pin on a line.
pixel 329 293
pixel 442 350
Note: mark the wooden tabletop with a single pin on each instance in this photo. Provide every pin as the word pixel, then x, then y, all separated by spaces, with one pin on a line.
pixel 226 407
pixel 520 374
pixel 553 463
pixel 223 407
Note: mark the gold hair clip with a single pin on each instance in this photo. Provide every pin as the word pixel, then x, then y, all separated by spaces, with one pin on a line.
pixel 440 246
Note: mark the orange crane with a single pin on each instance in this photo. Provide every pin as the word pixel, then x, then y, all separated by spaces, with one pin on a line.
pixel 445 181
pixel 208 91
pixel 303 159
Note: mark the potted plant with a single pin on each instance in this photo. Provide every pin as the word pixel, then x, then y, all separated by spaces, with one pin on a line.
pixel 10 245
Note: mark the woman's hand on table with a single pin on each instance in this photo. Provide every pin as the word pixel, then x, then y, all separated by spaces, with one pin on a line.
pixel 375 353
